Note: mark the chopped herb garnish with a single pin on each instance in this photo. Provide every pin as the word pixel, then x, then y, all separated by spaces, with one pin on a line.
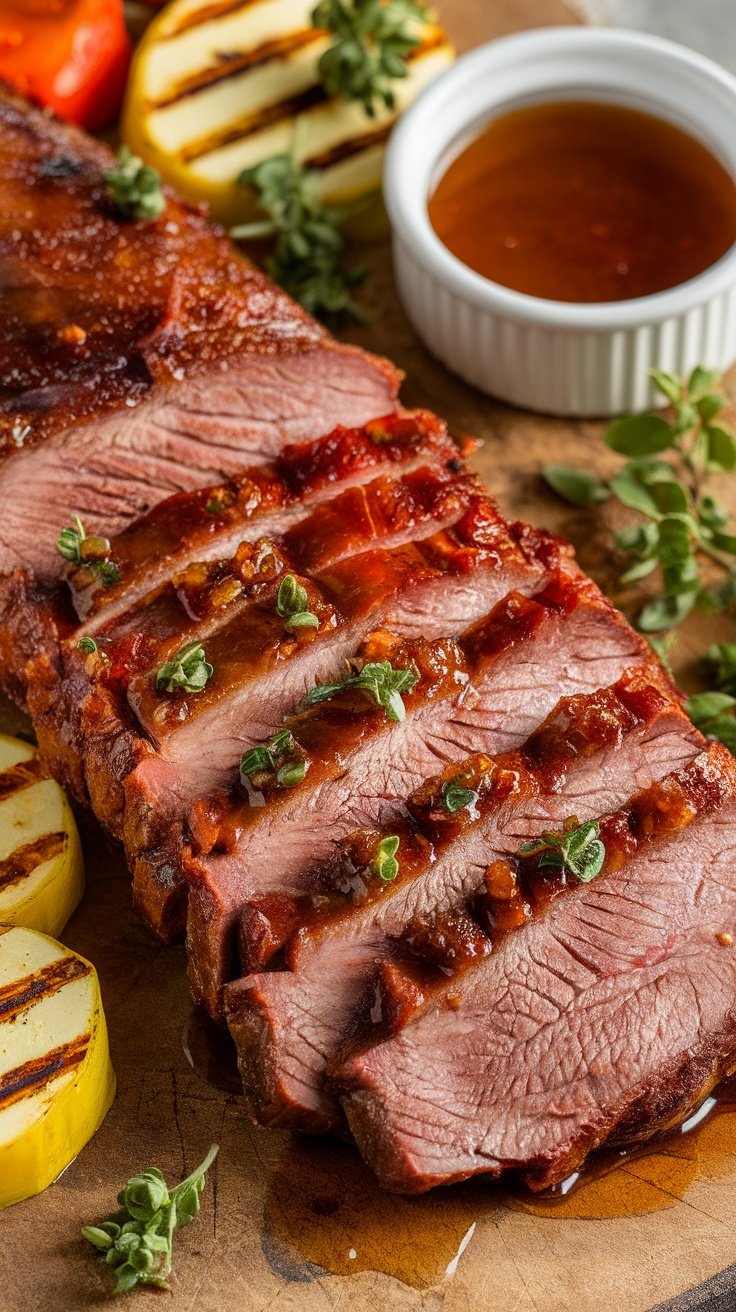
pixel 456 798
pixel 291 775
pixel 280 756
pixel 87 645
pixel 379 681
pixel 384 864
pixel 74 544
pixel 69 542
pixel 579 852
pixel 187 671
pixel 373 40
pixel 134 187
pixel 291 605
pixel 213 506
pixel 137 1241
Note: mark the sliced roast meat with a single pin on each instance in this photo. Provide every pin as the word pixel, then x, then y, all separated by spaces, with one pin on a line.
pixel 262 670
pixel 485 692
pixel 140 359
pixel 591 754
pixel 603 1020
pixel 211 522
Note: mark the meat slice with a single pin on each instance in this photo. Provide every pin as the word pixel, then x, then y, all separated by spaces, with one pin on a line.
pixel 591 754
pixel 139 359
pixel 265 502
pixel 485 692
pixel 603 1021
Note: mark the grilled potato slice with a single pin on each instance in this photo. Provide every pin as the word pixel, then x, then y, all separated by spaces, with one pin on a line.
pixel 218 87
pixel 41 867
pixel 56 1080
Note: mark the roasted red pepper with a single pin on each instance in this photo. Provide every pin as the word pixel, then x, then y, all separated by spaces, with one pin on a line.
pixel 71 55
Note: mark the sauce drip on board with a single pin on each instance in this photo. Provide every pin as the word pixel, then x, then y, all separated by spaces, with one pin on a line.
pixel 324 1211
pixel 585 202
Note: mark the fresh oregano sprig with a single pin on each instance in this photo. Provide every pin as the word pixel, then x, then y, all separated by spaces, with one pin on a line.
pixel 187 671
pixel 291 605
pixel 379 681
pixel 714 713
pixel 579 852
pixel 665 478
pixel 373 39
pixel 134 187
pixel 137 1241
pixel 306 256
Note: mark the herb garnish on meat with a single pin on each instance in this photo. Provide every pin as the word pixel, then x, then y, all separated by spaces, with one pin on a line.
pixel 384 864
pixel 578 851
pixel 291 605
pixel 134 187
pixel 92 553
pixel 379 681
pixel 280 756
pixel 187 671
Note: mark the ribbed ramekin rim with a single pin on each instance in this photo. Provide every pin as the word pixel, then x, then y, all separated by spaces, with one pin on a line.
pixel 409 218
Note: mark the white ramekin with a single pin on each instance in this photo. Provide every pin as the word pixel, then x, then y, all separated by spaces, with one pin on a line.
pixel 558 357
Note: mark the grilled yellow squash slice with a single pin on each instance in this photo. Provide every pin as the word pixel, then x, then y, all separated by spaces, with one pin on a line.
pixel 56 1080
pixel 218 86
pixel 41 868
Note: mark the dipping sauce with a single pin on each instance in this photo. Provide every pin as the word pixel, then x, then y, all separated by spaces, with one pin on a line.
pixel 586 202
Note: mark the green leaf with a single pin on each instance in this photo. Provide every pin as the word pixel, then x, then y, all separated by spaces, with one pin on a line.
pixel 685 417
pixel 575 485
pixel 456 798
pixel 384 864
pixel 638 539
pixel 187 671
pixel 641 570
pixel 134 187
pixel 629 488
pixel 702 380
pixel 670 497
pixel 725 542
pixel 640 435
pixel 665 612
pixel 292 774
pixel 720 659
pixel 721 448
pixel 579 852
pixel 705 706
pixel 668 384
pixel 712 512
pixel 379 681
pixel 86 645
pixel 709 407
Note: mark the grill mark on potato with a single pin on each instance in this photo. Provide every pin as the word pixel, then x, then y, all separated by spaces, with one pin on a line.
pixel 231 64
pixel 20 775
pixel 22 863
pixel 21 994
pixel 312 98
pixel 351 146
pixel 23 1081
pixel 221 9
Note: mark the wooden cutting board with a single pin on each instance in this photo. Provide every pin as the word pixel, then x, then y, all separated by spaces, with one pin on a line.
pixel 299 1225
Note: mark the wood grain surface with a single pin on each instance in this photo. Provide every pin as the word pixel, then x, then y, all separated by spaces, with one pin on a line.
pixel 299 1225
